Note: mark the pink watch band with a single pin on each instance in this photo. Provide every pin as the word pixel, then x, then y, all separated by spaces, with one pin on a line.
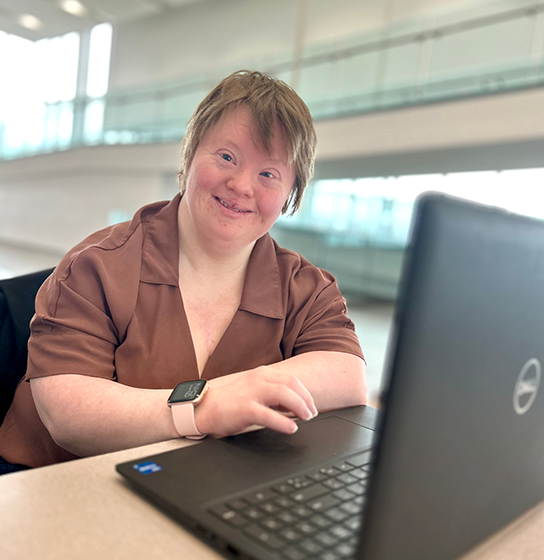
pixel 184 420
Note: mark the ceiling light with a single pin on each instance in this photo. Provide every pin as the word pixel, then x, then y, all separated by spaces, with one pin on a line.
pixel 29 21
pixel 73 7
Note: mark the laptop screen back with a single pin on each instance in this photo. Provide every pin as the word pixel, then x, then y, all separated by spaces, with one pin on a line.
pixel 461 450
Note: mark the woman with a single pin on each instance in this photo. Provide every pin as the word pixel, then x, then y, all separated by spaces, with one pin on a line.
pixel 188 290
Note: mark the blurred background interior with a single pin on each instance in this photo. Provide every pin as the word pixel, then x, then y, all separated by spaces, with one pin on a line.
pixel 407 95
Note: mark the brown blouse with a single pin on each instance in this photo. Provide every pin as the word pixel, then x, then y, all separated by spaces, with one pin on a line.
pixel 113 309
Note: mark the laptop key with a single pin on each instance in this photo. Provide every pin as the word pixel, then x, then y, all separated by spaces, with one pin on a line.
pixel 308 493
pixel 317 476
pixel 359 473
pixel 336 514
pixel 271 524
pixel 282 488
pixel 353 523
pixel 306 528
pixel 287 517
pixel 264 536
pixel 350 508
pixel 343 467
pixel 284 502
pixel 324 502
pixel 231 516
pixel 299 482
pixel 340 532
pixel 333 484
pixel 260 497
pixel 346 478
pixel 321 522
pixel 329 471
pixel 360 459
pixel 269 507
pixel 359 500
pixel 290 535
pixel 357 488
pixel 329 555
pixel 302 511
pixel 237 504
pixel 326 540
pixel 253 513
pixel 293 554
pixel 236 520
pixel 311 547
pixel 345 550
pixel 343 494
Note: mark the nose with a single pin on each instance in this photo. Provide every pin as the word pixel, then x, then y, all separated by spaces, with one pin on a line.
pixel 241 182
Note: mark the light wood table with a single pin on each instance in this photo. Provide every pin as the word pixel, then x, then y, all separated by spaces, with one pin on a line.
pixel 84 510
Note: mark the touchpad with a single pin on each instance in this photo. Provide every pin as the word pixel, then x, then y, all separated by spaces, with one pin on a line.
pixel 315 442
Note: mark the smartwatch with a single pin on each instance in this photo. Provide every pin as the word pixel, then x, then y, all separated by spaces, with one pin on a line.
pixel 182 403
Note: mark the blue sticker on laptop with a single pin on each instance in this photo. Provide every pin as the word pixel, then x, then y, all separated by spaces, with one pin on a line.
pixel 147 468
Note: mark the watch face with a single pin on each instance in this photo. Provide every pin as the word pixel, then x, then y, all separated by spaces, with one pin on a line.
pixel 187 392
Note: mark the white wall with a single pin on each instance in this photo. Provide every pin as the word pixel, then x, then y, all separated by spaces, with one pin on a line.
pixel 52 202
pixel 199 38
pixel 218 35
pixel 475 121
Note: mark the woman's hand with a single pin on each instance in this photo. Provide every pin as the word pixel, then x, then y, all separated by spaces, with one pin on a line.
pixel 254 398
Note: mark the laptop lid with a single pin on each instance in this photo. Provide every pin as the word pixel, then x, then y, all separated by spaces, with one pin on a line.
pixel 462 441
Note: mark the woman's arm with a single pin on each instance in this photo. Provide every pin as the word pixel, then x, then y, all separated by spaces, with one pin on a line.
pixel 333 379
pixel 90 415
pixel 87 415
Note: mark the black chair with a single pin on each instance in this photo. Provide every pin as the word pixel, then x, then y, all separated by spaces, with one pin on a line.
pixel 17 297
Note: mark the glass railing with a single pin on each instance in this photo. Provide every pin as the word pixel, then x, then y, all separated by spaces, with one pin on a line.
pixel 358 228
pixel 488 50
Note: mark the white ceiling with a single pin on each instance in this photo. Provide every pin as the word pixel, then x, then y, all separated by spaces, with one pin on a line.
pixel 56 21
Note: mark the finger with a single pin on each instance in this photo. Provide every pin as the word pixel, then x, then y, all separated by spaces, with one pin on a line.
pixel 296 385
pixel 268 418
pixel 278 395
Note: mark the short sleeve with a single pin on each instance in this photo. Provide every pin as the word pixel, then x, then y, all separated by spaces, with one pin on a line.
pixel 327 326
pixel 69 334
pixel 81 314
pixel 317 315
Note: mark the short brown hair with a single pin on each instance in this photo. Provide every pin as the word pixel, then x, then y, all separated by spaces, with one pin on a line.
pixel 270 100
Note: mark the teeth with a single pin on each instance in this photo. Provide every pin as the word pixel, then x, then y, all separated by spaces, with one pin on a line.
pixel 227 206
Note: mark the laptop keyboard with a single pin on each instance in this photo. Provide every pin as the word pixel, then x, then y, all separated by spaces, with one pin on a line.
pixel 315 515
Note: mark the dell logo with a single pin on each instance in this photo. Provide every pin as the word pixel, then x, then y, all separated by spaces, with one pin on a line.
pixel 527 386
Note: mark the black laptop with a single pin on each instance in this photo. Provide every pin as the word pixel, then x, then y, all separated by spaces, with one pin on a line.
pixel 459 450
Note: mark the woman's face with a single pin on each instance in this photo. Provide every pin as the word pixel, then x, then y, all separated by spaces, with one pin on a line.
pixel 235 190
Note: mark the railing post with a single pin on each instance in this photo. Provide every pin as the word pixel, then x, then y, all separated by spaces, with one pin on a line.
pixel 298 51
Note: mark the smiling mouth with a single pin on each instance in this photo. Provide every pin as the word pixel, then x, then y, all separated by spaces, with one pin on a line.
pixel 239 210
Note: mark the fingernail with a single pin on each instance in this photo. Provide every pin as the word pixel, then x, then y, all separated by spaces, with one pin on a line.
pixel 295 429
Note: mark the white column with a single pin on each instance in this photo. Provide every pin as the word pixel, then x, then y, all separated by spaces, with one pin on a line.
pixel 80 101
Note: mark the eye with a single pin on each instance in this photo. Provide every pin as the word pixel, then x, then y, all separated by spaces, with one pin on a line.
pixel 267 174
pixel 226 157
